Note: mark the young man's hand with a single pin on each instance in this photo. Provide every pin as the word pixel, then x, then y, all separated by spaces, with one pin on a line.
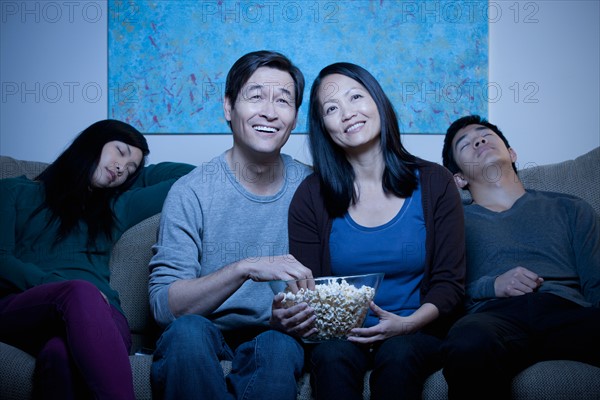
pixel 517 282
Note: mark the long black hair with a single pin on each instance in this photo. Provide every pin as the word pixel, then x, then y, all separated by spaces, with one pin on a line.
pixel 329 160
pixel 70 196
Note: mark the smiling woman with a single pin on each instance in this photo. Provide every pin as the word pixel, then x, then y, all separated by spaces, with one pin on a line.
pixel 372 207
pixel 57 231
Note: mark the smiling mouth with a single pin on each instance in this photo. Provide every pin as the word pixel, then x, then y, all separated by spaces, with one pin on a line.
pixel 265 129
pixel 354 127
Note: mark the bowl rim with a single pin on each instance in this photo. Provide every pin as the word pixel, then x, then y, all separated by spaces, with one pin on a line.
pixel 381 274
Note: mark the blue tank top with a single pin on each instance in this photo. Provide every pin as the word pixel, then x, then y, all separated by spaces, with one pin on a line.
pixel 396 248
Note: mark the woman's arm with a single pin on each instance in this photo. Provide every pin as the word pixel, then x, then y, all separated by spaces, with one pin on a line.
pixel 447 269
pixel 15 275
pixel 305 225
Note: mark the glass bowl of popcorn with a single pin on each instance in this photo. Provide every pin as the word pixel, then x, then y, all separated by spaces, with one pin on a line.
pixel 341 303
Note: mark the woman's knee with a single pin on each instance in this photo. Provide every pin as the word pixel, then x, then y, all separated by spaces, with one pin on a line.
pixel 335 350
pixel 54 354
pixel 80 292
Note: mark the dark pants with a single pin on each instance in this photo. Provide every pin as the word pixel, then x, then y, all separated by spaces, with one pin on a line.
pixel 485 350
pixel 400 367
pixel 81 343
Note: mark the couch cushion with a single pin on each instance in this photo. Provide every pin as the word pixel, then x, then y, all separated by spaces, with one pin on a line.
pixel 129 274
pixel 16 381
pixel 557 379
pixel 579 177
pixel 10 168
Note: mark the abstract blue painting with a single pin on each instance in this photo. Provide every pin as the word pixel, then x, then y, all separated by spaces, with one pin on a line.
pixel 167 60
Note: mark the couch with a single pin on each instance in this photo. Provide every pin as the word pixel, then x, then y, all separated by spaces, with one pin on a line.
pixel 560 379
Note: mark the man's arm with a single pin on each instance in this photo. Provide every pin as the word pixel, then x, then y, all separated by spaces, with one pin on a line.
pixel 586 247
pixel 189 296
pixel 177 285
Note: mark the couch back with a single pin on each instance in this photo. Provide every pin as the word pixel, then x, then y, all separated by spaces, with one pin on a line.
pixel 131 254
pixel 579 177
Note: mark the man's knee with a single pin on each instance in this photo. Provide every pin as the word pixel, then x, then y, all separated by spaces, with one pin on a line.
pixel 189 332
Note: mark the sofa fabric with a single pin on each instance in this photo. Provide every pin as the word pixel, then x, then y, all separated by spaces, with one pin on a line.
pixel 557 379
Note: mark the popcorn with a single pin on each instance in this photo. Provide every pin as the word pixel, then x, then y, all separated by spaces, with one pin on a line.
pixel 339 306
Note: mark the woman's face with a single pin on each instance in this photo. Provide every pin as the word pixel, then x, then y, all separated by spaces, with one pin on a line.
pixel 349 113
pixel 117 162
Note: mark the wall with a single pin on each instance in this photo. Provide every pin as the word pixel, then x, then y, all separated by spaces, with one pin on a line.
pixel 543 73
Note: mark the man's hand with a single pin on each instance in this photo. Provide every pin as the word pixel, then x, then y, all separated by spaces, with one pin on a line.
pixel 517 282
pixel 298 320
pixel 284 268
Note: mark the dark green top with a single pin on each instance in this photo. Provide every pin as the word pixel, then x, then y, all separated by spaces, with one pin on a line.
pixel 28 254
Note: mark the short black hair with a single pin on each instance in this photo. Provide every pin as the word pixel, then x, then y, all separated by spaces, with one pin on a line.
pixel 448 151
pixel 246 65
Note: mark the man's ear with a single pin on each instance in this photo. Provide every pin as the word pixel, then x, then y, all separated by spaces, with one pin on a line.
pixel 460 180
pixel 227 107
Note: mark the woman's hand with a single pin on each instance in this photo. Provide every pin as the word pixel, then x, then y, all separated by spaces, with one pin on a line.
pixel 298 320
pixel 389 325
pixel 393 325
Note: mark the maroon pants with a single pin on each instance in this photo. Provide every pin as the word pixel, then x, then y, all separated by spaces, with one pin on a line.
pixel 80 341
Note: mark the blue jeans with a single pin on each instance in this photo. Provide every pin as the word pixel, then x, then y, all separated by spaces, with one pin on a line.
pixel 187 364
pixel 400 365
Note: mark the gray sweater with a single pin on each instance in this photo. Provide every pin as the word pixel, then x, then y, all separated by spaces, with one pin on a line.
pixel 210 220
pixel 557 236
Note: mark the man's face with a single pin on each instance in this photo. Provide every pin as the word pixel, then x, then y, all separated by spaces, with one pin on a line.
pixel 264 114
pixel 476 147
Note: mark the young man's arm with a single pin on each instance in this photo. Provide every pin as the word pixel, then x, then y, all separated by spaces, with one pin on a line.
pixel 586 247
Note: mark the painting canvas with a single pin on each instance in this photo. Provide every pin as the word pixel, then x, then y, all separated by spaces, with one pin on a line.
pixel 167 60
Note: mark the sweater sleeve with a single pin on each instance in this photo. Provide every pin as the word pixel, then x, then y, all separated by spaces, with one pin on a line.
pixel 586 247
pixel 148 193
pixel 178 251
pixel 15 274
pixel 445 286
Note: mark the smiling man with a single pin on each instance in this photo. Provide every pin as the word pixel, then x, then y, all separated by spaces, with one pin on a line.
pixel 223 235
pixel 533 270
